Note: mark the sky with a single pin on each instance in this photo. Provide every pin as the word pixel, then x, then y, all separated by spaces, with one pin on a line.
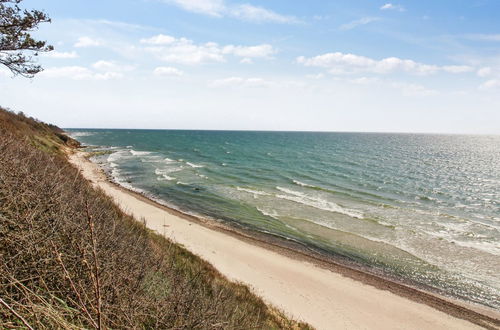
pixel 309 65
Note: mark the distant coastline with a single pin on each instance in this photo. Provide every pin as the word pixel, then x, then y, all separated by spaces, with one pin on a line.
pixel 480 315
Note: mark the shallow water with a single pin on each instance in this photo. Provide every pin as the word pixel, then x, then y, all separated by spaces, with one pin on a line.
pixel 425 207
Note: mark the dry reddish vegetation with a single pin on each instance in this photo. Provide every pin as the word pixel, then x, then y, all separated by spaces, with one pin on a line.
pixel 69 258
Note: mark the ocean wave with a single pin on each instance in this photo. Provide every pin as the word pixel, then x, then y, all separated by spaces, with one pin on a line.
pixel 168 160
pixel 457 228
pixel 80 134
pixel 166 177
pixel 124 181
pixel 488 247
pixel 114 156
pixel 367 197
pixel 164 171
pixel 151 159
pixel 303 184
pixel 426 198
pixel 139 153
pixel 479 244
pixel 316 202
pixel 194 165
pixel 273 214
pixel 254 192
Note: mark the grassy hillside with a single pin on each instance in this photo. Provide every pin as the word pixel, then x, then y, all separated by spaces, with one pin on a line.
pixel 69 258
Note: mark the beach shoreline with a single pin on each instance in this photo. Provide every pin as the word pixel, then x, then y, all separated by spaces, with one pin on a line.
pixel 423 309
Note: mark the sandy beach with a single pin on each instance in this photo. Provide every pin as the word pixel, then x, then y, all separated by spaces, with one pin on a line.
pixel 302 289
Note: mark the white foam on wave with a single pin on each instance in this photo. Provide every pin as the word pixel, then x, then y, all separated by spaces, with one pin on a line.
pixel 122 180
pixel 485 246
pixel 316 202
pixel 152 159
pixel 163 171
pixel 194 165
pixel 166 177
pixel 488 247
pixel 114 157
pixel 202 176
pixel 139 153
pixel 273 214
pixel 80 134
pixel 255 193
pixel 456 228
pixel 168 160
pixel 303 184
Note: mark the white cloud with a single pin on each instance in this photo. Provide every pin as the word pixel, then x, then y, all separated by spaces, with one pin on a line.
pixel 87 42
pixel 490 84
pixel 241 82
pixel 390 6
pixel 78 73
pixel 160 39
pixel 111 66
pixel 60 55
pixel 457 68
pixel 73 72
pixel 364 80
pixel 258 14
pixel 340 63
pixel 484 72
pixel 413 89
pixel 185 51
pixel 257 82
pixel 263 50
pixel 231 81
pixel 219 8
pixel 405 88
pixel 246 60
pixel 321 17
pixel 356 23
pixel 115 24
pixel 315 76
pixel 167 71
pixel 207 7
pixel 483 37
pixel 107 76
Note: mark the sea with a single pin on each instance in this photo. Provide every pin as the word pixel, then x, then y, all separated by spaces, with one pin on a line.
pixel 421 207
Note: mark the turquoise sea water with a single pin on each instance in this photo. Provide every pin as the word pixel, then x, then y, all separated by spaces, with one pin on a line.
pixel 422 207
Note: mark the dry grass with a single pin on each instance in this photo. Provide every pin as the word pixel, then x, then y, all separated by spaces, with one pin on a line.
pixel 69 258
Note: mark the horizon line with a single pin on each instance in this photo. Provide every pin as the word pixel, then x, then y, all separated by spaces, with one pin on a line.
pixel 278 131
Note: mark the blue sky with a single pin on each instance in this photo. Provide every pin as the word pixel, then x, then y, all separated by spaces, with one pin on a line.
pixel 406 66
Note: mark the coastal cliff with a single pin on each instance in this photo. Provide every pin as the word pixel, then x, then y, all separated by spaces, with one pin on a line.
pixel 70 258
